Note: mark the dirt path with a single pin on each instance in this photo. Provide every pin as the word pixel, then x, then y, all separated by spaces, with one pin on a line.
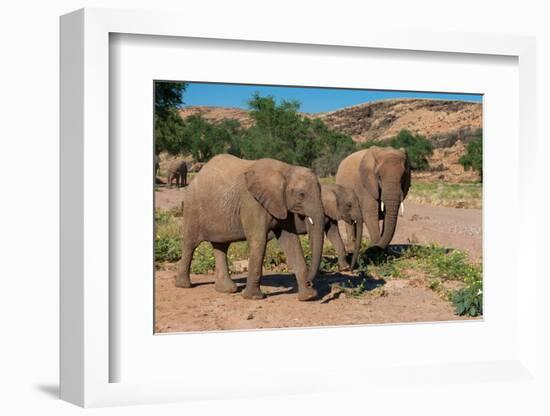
pixel 395 300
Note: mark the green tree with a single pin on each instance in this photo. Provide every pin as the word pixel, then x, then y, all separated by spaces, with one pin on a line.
pixel 473 158
pixel 418 148
pixel 207 139
pixel 168 123
pixel 282 133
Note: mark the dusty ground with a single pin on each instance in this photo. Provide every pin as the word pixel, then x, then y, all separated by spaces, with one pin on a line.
pixel 394 300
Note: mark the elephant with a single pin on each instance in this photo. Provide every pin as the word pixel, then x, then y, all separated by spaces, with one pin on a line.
pixel 178 171
pixel 157 164
pixel 233 199
pixel 380 177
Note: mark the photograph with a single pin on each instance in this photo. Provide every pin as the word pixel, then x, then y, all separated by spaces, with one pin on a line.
pixel 302 207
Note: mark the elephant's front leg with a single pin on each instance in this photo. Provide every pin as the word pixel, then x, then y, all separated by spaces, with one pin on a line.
pixel 290 243
pixel 223 280
pixel 336 240
pixel 255 264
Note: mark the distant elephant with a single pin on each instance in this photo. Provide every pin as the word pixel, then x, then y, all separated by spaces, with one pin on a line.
pixel 233 199
pixel 157 164
pixel 380 177
pixel 178 171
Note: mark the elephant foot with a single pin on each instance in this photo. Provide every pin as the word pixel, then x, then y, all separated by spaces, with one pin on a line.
pixel 307 294
pixel 182 282
pixel 225 286
pixel 253 293
pixel 344 266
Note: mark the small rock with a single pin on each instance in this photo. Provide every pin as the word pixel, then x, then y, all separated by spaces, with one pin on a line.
pixel 250 316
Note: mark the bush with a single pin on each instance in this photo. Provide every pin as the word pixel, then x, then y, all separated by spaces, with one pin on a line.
pixel 168 237
pixel 473 158
pixel 469 300
pixel 418 148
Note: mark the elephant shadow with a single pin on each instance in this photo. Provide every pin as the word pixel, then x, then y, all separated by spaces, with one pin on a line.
pixel 284 284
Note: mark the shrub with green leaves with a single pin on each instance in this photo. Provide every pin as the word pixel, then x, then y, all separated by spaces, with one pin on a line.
pixel 168 237
pixel 473 158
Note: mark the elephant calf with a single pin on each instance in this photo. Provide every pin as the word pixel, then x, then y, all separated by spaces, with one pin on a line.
pixel 178 171
pixel 339 204
pixel 233 199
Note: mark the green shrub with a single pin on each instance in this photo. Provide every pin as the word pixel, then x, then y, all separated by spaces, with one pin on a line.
pixel 418 148
pixel 469 300
pixel 473 158
pixel 168 237
pixel 203 259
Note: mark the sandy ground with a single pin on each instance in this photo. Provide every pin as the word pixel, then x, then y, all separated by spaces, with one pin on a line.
pixel 395 300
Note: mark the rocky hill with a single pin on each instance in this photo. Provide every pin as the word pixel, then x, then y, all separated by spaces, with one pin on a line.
pixel 218 114
pixel 441 121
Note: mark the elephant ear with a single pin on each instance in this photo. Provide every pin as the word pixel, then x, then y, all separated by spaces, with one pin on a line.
pixel 367 172
pixel 330 203
pixel 267 185
pixel 406 179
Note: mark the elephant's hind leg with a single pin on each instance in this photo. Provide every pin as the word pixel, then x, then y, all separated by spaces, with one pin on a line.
pixel 187 248
pixel 224 283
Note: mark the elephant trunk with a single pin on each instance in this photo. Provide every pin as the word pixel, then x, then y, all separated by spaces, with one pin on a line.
pixel 390 222
pixel 358 238
pixel 316 238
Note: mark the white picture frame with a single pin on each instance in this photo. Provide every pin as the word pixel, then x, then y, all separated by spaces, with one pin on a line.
pixel 86 356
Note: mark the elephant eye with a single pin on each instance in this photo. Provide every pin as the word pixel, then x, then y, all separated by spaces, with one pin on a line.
pixel 348 205
pixel 301 194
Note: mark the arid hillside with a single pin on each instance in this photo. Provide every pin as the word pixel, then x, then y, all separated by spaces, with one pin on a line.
pixel 218 114
pixel 441 121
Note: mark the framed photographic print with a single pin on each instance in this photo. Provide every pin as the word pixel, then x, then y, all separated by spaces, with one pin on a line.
pixel 238 212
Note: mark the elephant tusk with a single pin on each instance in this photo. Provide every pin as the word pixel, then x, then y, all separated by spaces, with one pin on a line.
pixel 382 206
pixel 402 206
pixel 310 220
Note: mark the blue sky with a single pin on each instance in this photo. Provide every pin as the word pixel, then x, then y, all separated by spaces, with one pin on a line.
pixel 313 100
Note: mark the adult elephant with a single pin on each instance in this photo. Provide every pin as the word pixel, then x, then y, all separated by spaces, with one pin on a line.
pixel 380 177
pixel 232 199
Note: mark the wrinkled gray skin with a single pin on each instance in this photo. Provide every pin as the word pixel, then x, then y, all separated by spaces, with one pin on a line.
pixel 178 171
pixel 232 199
pixel 377 174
